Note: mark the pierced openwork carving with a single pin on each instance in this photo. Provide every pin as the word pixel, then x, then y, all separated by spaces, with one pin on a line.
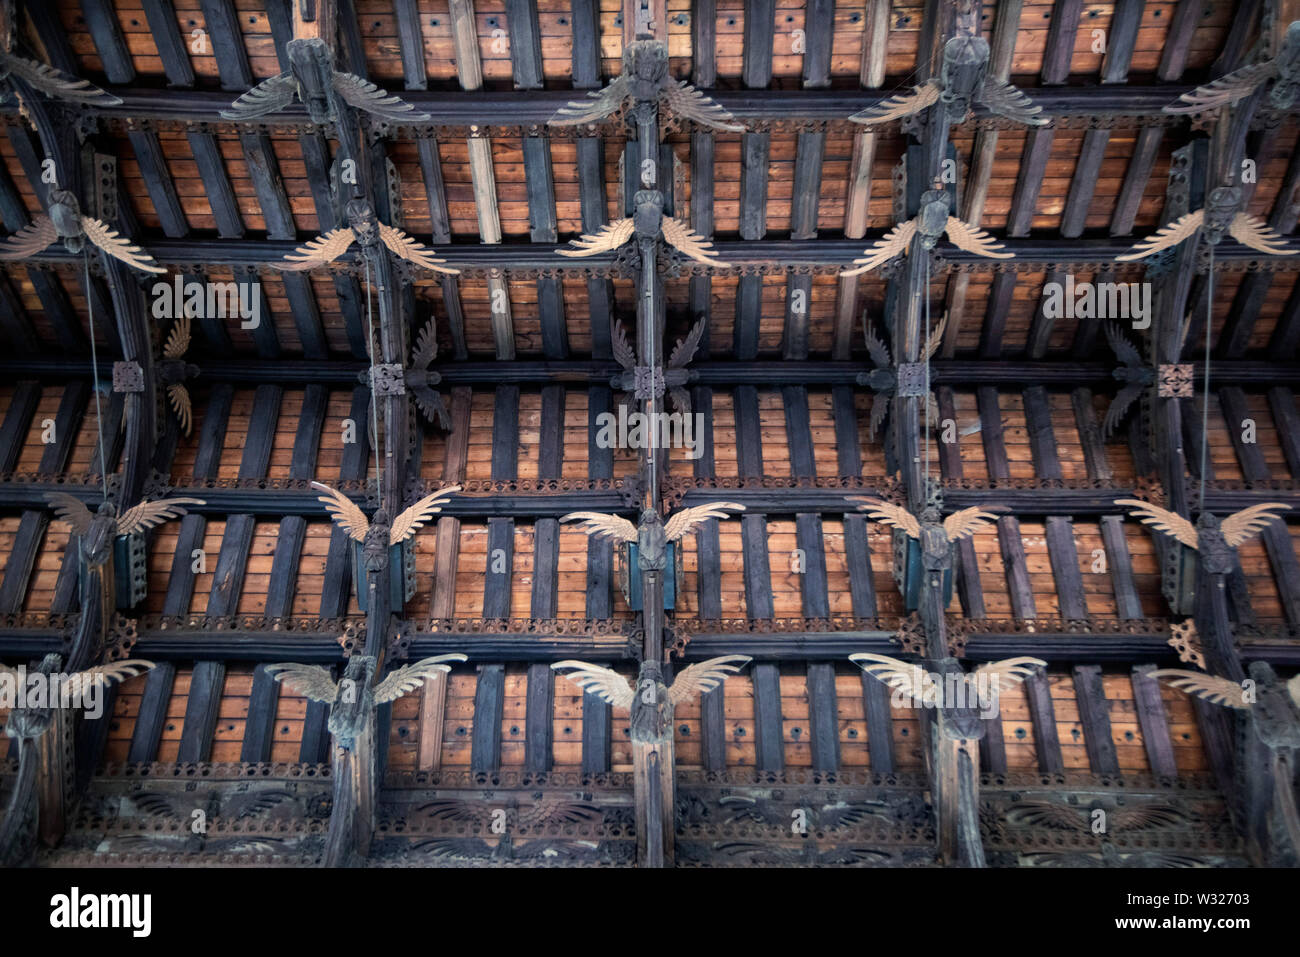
pixel 1187 643
pixel 1174 380
pixel 128 377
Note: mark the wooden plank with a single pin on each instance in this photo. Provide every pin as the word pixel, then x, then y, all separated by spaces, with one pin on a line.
pixel 464 36
pixel 857 555
pixel 539 720
pixel 585 18
pixel 760 27
pixel 758 577
pixel 201 709
pixel 1281 402
pixel 798 297
pixel 798 429
pixel 1095 717
pixel 1136 178
pixel 819 31
pixel 264 171
pixel 812 581
pixel 1042 438
pixel 216 184
pixel 433 708
pixel 749 441
pixel 1060 40
pixel 505 434
pixel 17 422
pixel 1047 744
pixel 1064 558
pixel 1029 181
pixel 880 731
pixel 810 155
pixel 434 190
pixel 823 717
pixel 489 699
pixel 158 181
pixel 222 22
pixel 259 728
pixel 152 716
pixel 546 572
pixel 1083 184
pixel 110 44
pixel 411 44
pixel 1128 604
pixel 848 449
pixel 596 745
pixel 500 566
pixel 704 45
pixel 1154 722
pixel 769 754
pixel 525 44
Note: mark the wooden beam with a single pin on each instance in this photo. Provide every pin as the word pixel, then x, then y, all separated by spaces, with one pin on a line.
pixel 1128 605
pixel 259 727
pixel 201 711
pixel 1029 181
pixel 1178 41
pixel 525 43
pixel 585 18
pixel 216 184
pixel 152 717
pixel 857 554
pixel 434 190
pixel 1084 182
pixel 880 731
pixel 172 49
pixel 489 699
pixel 769 751
pixel 464 36
pixel 410 41
pixel 106 31
pixel 222 22
pixel 1135 180
pixel 760 26
pixel 1042 715
pixel 823 717
pixel 539 718
pixel 819 32
pixel 1060 40
pixel 1153 721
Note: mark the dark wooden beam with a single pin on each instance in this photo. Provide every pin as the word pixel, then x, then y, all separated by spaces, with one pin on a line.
pixel 1153 721
pixel 172 49
pixel 525 43
pixel 823 717
pixel 216 184
pixel 201 711
pixel 769 750
pixel 222 22
pixel 1043 717
pixel 1094 715
pixel 1060 40
pixel 410 41
pixel 110 44
pixel 489 699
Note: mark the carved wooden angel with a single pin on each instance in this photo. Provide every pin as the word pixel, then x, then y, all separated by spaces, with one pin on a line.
pixel 675 374
pixel 1213 538
pixel 366 230
pixel 420 379
pixel 883 379
pixel 651 222
pixel 98 529
pixel 645 77
pixel 936 539
pixel 963 78
pixel 926 690
pixel 679 524
pixel 173 371
pixel 40 76
pixel 352 698
pixel 1283 71
pixel 377 538
pixel 1136 375
pixel 930 223
pixel 66 222
pixel 28 724
pixel 313 79
pixel 1222 213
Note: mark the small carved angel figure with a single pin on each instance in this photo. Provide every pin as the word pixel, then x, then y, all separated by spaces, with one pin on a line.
pixel 173 370
pixel 28 724
pixel 365 230
pixel 649 222
pixel 936 539
pixel 1212 538
pixel 645 77
pixel 963 78
pixel 926 691
pixel 97 530
pixel 1136 375
pixel 1222 213
pixel 376 538
pixel 420 379
pixel 1283 70
pixel 66 222
pixel 675 373
pixel 679 524
pixel 883 379
pixel 931 223
pixel 40 76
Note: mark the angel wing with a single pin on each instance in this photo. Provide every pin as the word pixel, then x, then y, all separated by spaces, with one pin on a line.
pixel 431 405
pixel 879 409
pixel 688 241
pixel 119 248
pixel 936 338
pixel 1170 523
pixel 1256 234
pixel 1169 235
pixel 1119 344
pixel 148 514
pixel 364 95
pixel 684 351
pixel 71 510
pixel 76 685
pixel 704 676
pixel 1009 670
pixel 622 349
pixel 311 681
pixel 1119 407
pixel 410 521
pixel 600 104
pixel 681 400
pixel 608 237
pixel 884 249
pixel 1293 689
pixel 1235 86
pixel 967 521
pixel 1006 100
pixel 178 340
pixel 876 347
pixel 974 240
pixel 426 347
pixel 604 683
pixel 910 679
pixel 319 251
pixel 682 523
pixel 904 104
pixel 29 240
pixel 1047 814
pixel 1212 688
pixel 269 96
pixel 56 83
pixel 404 247
pixel 1242 526
pixel 179 398
pixel 889 514
pixel 345 512
pixel 604 526
pixel 410 677
pixel 684 100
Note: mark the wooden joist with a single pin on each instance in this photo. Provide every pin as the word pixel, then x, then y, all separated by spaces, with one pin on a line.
pixel 1042 715
pixel 489 699
pixel 1094 716
pixel 1153 722
pixel 768 727
pixel 202 706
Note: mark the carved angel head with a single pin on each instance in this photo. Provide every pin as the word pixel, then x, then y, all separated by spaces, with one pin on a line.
pixel 361 217
pixel 646 62
pixel 933 219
